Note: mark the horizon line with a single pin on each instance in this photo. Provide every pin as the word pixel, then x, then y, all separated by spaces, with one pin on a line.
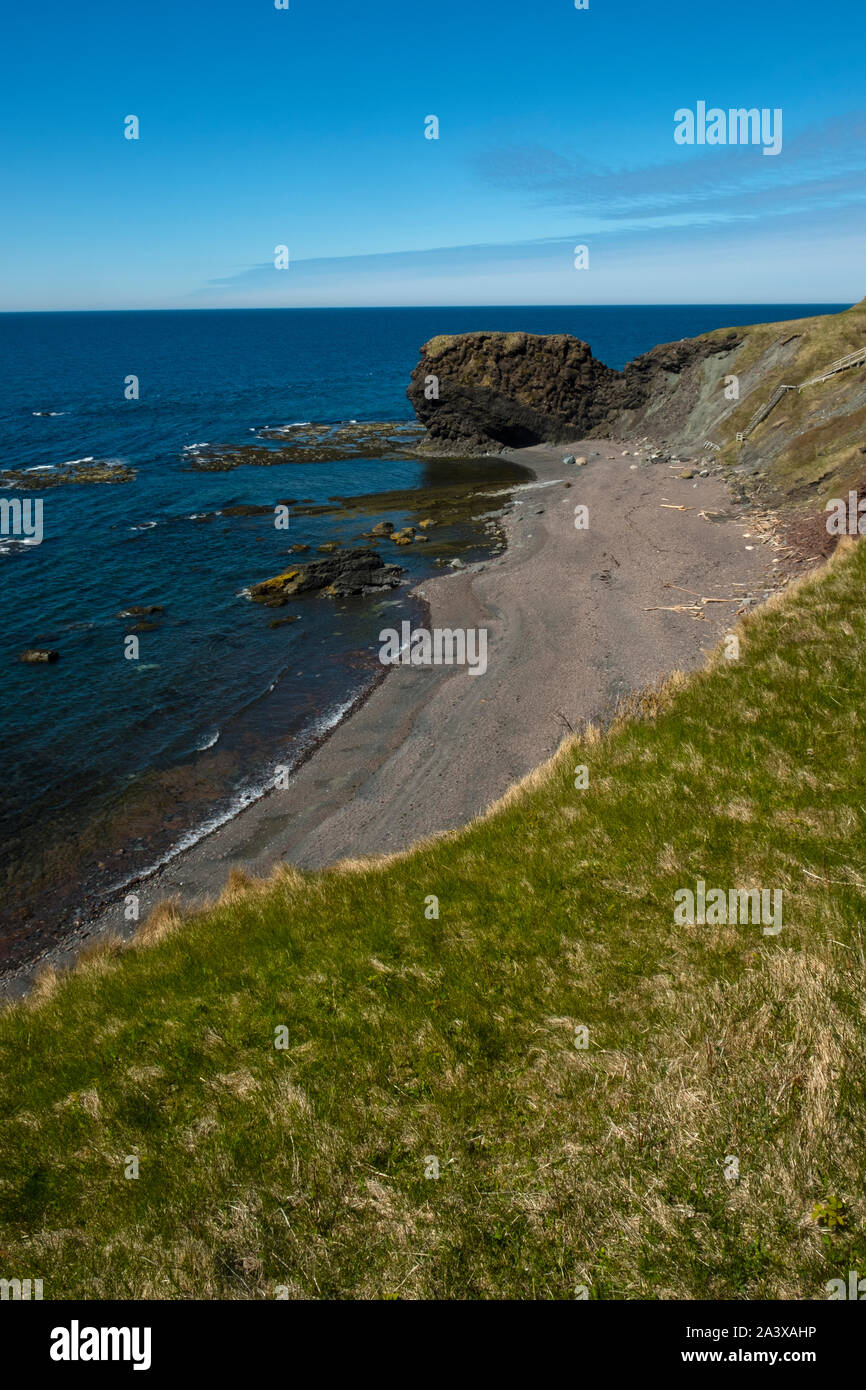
pixel 408 308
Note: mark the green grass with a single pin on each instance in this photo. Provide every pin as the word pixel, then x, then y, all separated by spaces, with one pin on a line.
pixel 411 1036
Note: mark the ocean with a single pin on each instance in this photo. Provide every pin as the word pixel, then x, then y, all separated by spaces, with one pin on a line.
pixel 111 764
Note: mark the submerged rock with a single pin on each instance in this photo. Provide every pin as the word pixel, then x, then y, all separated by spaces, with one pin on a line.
pixel 247 509
pixel 349 572
pixel 311 443
pixel 91 471
pixel 36 656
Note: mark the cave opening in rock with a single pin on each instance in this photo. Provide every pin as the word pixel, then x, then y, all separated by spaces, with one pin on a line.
pixel 516 436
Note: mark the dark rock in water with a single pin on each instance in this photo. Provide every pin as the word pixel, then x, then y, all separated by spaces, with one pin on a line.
pixel 140 610
pixel 94 471
pixel 247 509
pixel 328 547
pixel 297 549
pixel 36 656
pixel 480 391
pixel 144 627
pixel 382 528
pixel 284 622
pixel 348 572
pixel 313 443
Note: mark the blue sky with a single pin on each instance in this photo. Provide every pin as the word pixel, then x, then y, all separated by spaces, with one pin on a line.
pixel 305 127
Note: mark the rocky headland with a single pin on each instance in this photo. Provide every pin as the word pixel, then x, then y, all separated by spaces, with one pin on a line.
pixel 778 408
pixel 480 391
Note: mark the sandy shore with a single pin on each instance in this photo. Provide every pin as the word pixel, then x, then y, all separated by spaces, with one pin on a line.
pixel 575 619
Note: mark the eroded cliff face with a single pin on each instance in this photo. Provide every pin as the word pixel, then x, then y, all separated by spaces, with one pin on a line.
pixel 479 391
pixel 482 392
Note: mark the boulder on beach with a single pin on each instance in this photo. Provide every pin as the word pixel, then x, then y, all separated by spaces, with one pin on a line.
pixel 347 572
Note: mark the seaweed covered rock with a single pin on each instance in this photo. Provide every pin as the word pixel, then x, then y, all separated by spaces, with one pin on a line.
pixel 358 571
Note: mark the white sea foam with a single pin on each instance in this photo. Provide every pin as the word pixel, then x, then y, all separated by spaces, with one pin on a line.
pixel 517 488
pixel 11 543
pixel 316 730
pixel 208 741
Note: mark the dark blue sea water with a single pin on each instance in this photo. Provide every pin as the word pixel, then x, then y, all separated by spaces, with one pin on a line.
pixel 109 762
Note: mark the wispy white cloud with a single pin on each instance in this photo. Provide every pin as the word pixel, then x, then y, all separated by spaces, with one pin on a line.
pixel 826 162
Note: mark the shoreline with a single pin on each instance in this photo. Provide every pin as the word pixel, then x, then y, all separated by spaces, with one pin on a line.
pixel 575 621
pixel 75 844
